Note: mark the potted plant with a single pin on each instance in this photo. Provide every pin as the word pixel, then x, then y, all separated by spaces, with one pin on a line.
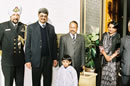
pixel 91 45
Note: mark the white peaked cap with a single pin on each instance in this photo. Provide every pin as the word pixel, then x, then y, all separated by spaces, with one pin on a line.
pixel 15 9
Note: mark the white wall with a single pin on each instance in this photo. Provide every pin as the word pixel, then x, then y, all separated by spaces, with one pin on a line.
pixel 61 12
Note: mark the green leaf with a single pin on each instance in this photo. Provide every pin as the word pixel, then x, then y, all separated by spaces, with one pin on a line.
pixel 93 52
pixel 97 42
pixel 94 38
pixel 90 64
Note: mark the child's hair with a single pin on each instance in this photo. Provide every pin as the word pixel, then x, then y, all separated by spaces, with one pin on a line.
pixel 66 57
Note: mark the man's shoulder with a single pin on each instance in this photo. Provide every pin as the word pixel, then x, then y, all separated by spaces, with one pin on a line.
pixel 65 35
pixel 80 35
pixel 4 23
pixel 21 24
pixel 123 38
pixel 33 24
pixel 50 25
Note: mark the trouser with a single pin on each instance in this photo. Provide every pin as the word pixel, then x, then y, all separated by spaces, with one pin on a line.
pixel 78 70
pixel 125 80
pixel 13 73
pixel 45 69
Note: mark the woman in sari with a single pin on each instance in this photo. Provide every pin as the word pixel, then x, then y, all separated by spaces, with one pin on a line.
pixel 109 49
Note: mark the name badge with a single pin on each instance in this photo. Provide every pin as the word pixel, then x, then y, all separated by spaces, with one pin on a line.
pixel 7 29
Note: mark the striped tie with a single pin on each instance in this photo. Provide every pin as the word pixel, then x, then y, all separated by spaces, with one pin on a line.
pixel 73 38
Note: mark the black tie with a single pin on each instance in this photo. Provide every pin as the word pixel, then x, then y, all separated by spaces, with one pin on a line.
pixel 73 37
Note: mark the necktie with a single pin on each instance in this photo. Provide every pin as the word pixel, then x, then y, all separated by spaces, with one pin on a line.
pixel 43 26
pixel 73 38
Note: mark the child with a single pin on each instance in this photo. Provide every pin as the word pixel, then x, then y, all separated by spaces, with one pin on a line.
pixel 67 75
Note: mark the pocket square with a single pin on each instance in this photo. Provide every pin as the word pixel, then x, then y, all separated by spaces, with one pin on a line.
pixel 7 29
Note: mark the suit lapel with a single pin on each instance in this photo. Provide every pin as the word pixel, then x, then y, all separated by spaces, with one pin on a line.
pixel 12 29
pixel 38 30
pixel 70 41
pixel 69 38
pixel 48 38
pixel 11 26
pixel 76 42
pixel 77 39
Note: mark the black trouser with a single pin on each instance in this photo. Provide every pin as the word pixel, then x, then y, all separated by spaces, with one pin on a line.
pixel 78 70
pixel 13 72
pixel 125 80
pixel 45 69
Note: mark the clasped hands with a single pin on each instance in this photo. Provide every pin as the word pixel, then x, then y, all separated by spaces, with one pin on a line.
pixel 107 57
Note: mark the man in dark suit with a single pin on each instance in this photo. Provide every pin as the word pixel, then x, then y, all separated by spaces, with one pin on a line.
pixel 125 58
pixel 12 37
pixel 73 44
pixel 41 49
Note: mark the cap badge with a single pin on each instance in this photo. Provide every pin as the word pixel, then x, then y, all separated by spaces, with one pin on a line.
pixel 16 9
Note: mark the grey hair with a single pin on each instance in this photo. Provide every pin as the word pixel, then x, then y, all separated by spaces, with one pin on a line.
pixel 129 23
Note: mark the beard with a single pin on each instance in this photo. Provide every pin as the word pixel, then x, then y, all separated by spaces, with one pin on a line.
pixel 15 21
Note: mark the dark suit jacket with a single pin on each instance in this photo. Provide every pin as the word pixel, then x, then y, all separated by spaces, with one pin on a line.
pixel 7 35
pixel 34 44
pixel 76 51
pixel 125 55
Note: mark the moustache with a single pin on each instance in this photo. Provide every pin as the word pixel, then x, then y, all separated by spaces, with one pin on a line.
pixel 72 31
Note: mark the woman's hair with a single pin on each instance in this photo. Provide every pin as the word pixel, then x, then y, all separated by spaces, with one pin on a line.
pixel 67 57
pixel 114 23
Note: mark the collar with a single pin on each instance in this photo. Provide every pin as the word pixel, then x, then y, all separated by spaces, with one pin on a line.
pixel 72 35
pixel 14 24
pixel 41 24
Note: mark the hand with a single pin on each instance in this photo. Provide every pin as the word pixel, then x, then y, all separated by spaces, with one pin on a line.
pixel 101 49
pixel 116 53
pixel 55 63
pixel 107 57
pixel 83 67
pixel 28 65
pixel 113 55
